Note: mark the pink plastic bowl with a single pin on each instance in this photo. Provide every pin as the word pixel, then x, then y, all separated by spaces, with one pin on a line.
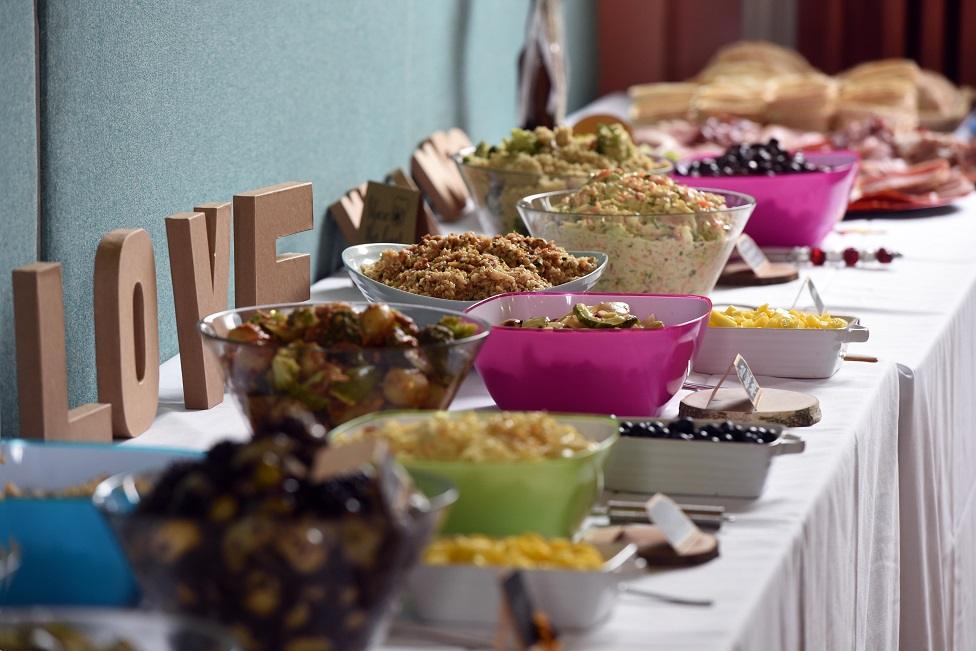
pixel 622 372
pixel 792 209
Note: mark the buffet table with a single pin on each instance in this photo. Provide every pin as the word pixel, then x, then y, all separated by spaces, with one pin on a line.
pixel 878 509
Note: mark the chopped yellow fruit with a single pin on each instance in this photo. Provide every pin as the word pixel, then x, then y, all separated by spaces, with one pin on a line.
pixel 767 317
pixel 528 551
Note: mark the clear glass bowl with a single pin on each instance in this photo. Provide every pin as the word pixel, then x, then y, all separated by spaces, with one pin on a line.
pixel 278 582
pixel 496 192
pixel 141 631
pixel 649 254
pixel 371 385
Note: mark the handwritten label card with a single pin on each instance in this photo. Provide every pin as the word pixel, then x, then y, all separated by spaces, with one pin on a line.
pixel 752 255
pixel 683 535
pixel 426 222
pixel 746 378
pixel 808 285
pixel 389 214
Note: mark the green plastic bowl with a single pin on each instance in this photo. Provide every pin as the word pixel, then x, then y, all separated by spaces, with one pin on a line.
pixel 550 497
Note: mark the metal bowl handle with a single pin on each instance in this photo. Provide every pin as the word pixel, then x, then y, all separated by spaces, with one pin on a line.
pixel 857 333
pixel 787 444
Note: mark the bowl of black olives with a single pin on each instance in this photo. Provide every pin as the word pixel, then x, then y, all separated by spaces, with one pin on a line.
pixel 696 457
pixel 799 196
pixel 287 542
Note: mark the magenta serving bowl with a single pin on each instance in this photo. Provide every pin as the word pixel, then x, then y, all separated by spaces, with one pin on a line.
pixel 792 209
pixel 622 372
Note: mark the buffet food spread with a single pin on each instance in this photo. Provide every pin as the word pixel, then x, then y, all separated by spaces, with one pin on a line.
pixel 358 491
pixel 894 114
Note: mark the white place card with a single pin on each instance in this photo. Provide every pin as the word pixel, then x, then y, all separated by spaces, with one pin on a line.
pixel 808 286
pixel 682 534
pixel 752 255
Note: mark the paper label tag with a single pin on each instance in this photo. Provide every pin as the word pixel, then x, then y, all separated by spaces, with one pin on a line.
pixel 341 459
pixel 389 214
pixel 808 285
pixel 751 254
pixel 426 224
pixel 746 378
pixel 677 527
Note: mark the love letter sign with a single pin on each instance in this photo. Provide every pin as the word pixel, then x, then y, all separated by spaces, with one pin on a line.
pixel 126 319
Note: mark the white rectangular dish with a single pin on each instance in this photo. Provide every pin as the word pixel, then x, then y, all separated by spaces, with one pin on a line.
pixel 674 466
pixel 573 600
pixel 791 353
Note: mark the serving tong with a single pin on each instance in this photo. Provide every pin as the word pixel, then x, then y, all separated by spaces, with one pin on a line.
pixel 633 512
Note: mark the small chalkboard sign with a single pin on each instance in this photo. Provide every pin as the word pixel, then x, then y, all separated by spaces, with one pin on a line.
pixel 746 378
pixel 530 627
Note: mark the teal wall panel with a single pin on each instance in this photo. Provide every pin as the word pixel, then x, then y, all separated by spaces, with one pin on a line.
pixel 150 107
pixel 18 179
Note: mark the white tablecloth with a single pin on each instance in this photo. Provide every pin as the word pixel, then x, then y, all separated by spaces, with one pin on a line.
pixel 924 311
pixel 813 563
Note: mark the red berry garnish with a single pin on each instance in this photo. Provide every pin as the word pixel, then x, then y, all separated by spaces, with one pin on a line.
pixel 884 256
pixel 851 256
pixel 817 256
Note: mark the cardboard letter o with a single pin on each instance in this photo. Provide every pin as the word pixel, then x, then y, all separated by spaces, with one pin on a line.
pixel 127 329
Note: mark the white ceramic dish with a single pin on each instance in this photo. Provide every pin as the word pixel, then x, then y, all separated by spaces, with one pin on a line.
pixel 50 466
pixel 798 353
pixel 573 600
pixel 646 465
pixel 355 257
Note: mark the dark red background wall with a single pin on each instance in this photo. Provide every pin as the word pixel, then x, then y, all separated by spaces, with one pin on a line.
pixel 671 40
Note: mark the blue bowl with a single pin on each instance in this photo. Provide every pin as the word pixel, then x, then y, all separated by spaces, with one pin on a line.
pixel 68 553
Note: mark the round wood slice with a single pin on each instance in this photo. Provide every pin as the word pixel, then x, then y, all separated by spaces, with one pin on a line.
pixel 653 547
pixel 739 274
pixel 789 408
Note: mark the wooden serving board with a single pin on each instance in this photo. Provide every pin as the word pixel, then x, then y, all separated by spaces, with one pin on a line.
pixel 653 546
pixel 788 408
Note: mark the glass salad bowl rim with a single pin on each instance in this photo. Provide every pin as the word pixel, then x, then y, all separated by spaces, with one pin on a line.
pixel 525 204
pixel 664 166
pixel 111 491
pixel 205 325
